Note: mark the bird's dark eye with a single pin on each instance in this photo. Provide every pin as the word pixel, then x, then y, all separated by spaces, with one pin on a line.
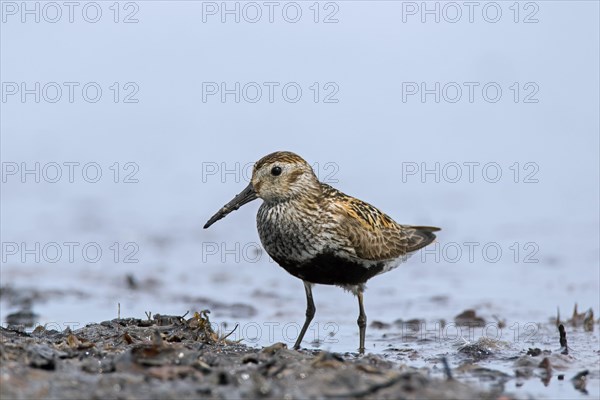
pixel 276 171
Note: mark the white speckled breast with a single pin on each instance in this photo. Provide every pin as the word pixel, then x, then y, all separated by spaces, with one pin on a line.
pixel 287 233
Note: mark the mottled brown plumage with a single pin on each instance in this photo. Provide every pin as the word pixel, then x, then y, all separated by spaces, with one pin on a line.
pixel 321 235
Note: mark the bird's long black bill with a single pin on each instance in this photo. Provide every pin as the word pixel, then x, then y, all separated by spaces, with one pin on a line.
pixel 246 196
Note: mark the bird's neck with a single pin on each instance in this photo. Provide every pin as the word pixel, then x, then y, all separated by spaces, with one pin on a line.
pixel 308 196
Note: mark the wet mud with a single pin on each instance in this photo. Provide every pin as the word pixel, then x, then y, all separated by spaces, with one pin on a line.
pixel 171 357
pixel 174 357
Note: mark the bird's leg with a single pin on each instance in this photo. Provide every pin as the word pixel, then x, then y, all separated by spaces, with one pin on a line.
pixel 310 313
pixel 362 321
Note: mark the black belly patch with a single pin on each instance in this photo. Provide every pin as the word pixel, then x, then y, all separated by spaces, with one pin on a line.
pixel 328 269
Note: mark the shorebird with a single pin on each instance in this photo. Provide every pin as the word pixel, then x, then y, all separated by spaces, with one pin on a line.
pixel 321 235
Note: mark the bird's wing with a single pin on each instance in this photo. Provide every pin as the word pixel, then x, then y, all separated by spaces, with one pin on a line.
pixel 372 234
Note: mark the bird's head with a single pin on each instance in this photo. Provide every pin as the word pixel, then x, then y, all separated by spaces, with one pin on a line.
pixel 282 176
pixel 277 177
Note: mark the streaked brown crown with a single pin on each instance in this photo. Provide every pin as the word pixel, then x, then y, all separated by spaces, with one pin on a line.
pixel 286 157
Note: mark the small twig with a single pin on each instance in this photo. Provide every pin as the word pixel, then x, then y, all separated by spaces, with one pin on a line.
pixel 149 315
pixel 370 390
pixel 119 311
pixel 229 334
pixel 563 339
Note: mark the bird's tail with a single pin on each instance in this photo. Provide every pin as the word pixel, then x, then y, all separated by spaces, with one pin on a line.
pixel 425 236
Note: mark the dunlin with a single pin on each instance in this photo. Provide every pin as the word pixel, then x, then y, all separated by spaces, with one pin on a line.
pixel 321 235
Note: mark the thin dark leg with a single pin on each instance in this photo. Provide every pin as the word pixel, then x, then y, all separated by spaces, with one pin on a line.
pixel 362 322
pixel 310 313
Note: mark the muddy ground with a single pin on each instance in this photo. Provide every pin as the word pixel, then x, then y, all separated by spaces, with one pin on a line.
pixel 175 357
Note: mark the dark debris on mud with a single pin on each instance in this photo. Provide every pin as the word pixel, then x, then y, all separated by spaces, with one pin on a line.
pixel 171 357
